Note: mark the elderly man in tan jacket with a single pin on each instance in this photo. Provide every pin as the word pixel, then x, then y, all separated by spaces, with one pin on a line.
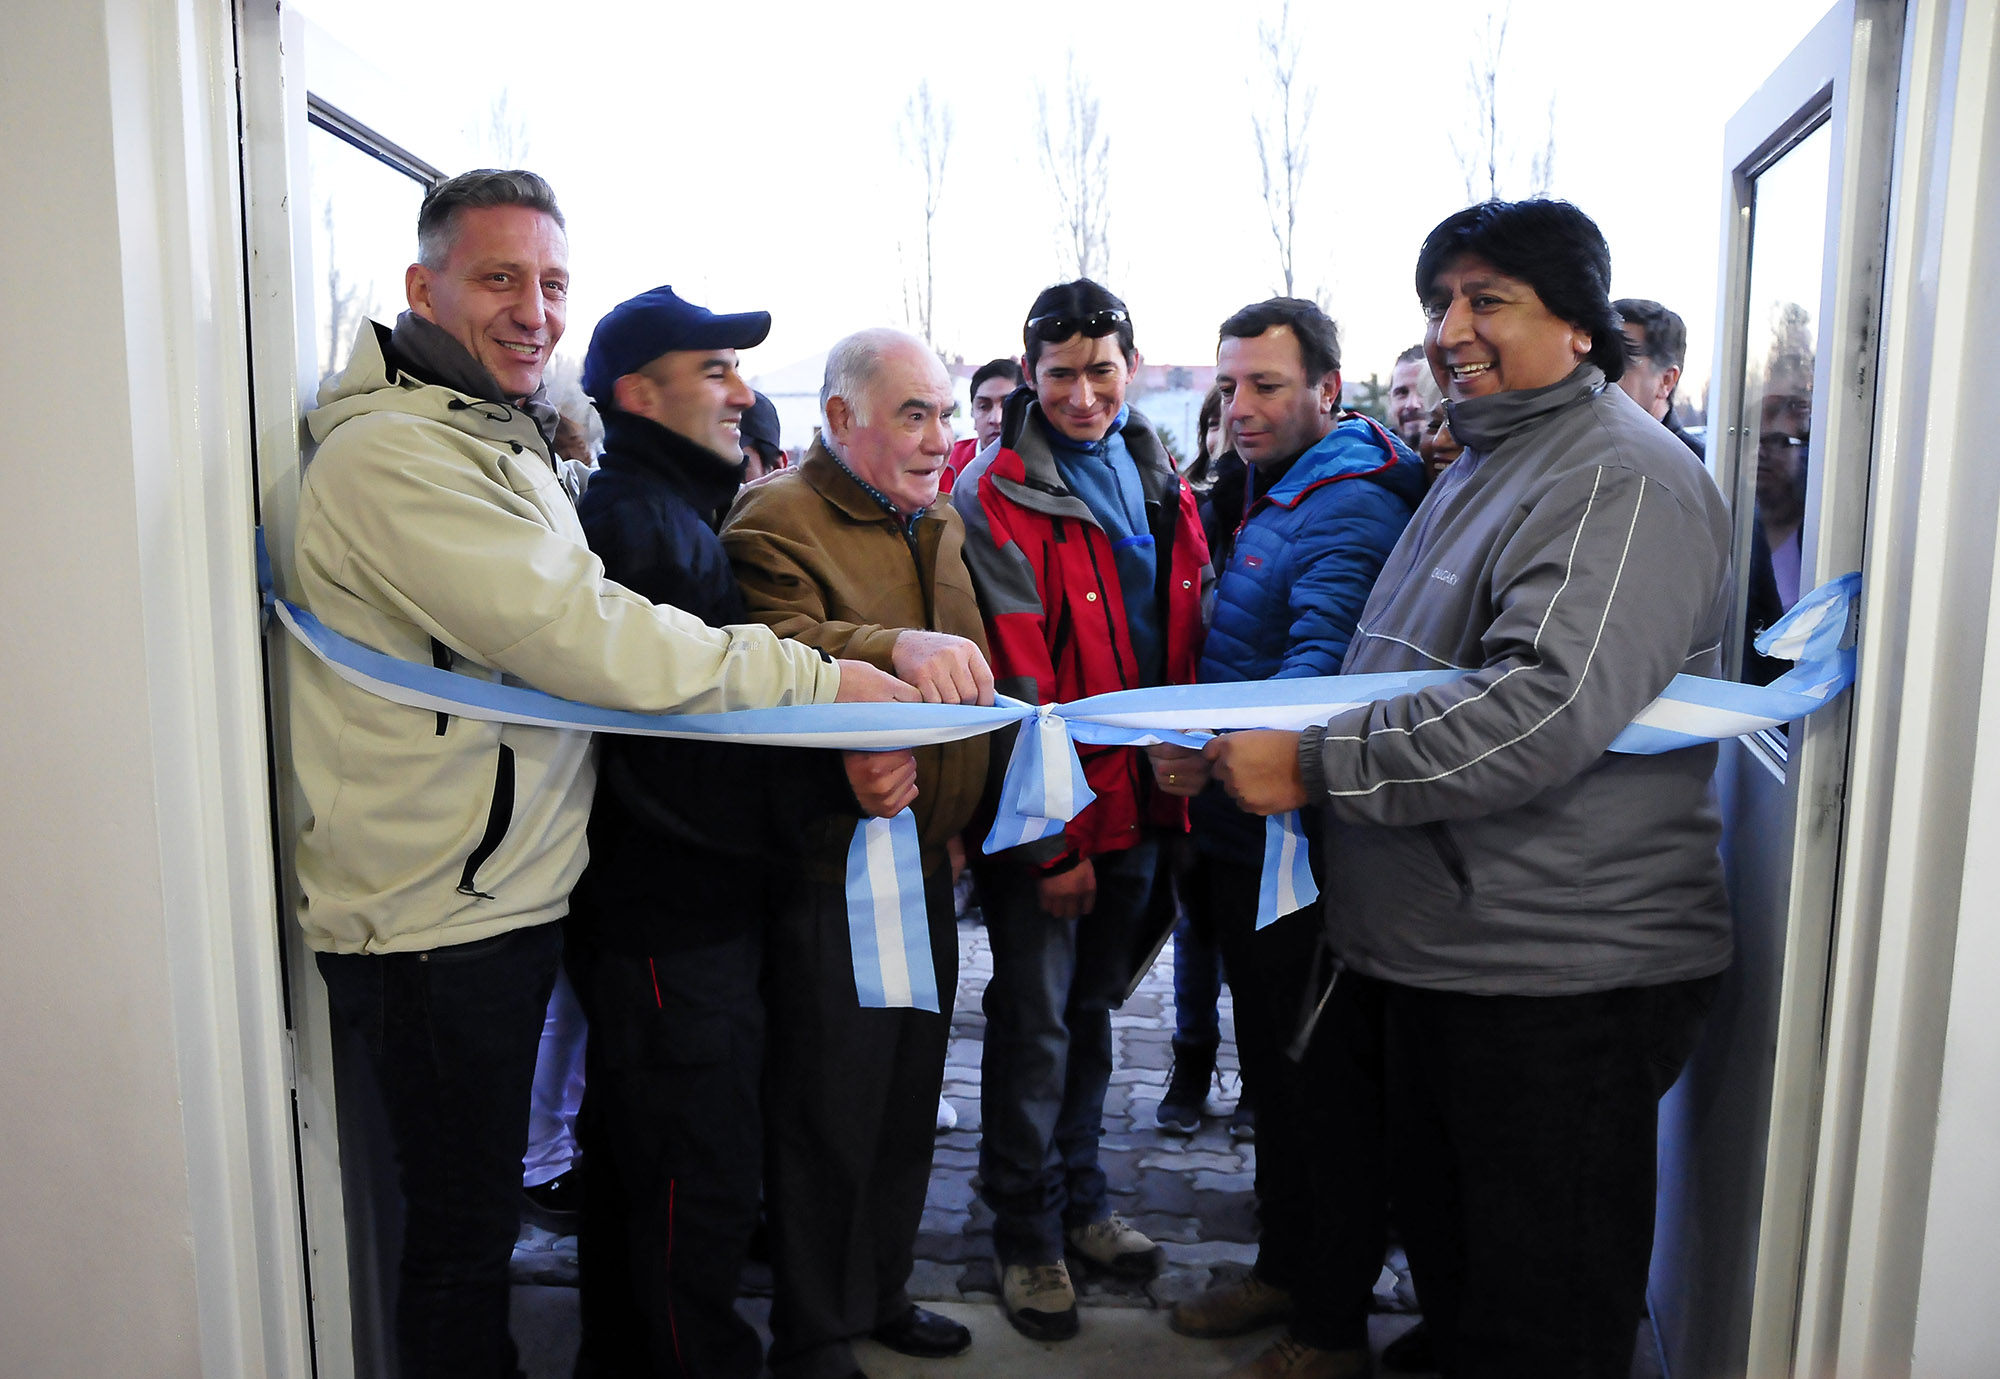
pixel 851 553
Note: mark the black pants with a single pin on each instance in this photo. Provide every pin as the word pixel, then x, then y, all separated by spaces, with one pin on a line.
pixel 671 1134
pixel 1523 1132
pixel 1321 1193
pixel 451 1035
pixel 850 1114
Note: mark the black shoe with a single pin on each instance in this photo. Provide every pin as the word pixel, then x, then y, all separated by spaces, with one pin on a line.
pixel 554 1205
pixel 924 1334
pixel 1181 1107
pixel 1410 1352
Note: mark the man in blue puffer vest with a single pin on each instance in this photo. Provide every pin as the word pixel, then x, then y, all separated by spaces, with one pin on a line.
pixel 1325 498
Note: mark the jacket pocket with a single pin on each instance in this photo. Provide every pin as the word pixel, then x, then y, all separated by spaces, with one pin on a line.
pixel 1450 855
pixel 497 820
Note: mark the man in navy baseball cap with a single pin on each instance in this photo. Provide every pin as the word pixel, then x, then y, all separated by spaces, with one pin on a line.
pixel 674 363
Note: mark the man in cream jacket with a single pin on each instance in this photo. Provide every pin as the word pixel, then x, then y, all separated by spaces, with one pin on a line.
pixel 436 851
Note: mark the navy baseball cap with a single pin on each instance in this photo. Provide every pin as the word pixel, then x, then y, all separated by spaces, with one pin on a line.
pixel 636 332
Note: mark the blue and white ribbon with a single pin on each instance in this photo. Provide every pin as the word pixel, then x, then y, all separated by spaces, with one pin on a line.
pixel 1045 786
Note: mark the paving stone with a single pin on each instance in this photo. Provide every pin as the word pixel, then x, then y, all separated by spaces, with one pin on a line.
pixel 1175 1284
pixel 1226 1216
pixel 1242 1180
pixel 1164 1226
pixel 1192 1160
pixel 1162 1191
pixel 982 1275
pixel 949 1247
pixel 950 1193
pixel 931 1281
pixel 1211 1252
pixel 942 1220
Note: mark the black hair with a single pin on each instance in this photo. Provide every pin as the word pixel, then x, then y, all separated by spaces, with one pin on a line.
pixel 470 191
pixel 1665 333
pixel 1413 355
pixel 996 368
pixel 1550 245
pixel 1077 299
pixel 1318 336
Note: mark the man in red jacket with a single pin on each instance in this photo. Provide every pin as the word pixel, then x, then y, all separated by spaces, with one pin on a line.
pixel 1087 554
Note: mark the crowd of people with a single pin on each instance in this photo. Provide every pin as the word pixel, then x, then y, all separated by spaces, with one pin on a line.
pixel 1463 1042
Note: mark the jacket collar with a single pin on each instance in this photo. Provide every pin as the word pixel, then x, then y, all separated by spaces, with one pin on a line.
pixel 1485 422
pixel 836 483
pixel 1042 488
pixel 704 478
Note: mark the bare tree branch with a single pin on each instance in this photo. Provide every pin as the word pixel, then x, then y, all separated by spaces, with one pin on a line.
pixel 344 300
pixel 924 136
pixel 504 137
pixel 1077 159
pixel 1281 135
pixel 1483 155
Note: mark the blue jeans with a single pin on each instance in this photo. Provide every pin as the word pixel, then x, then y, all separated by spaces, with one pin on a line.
pixel 1047 1056
pixel 1197 983
pixel 451 1035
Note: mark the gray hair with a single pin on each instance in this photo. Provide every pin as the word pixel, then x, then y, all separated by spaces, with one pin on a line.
pixel 437 220
pixel 851 365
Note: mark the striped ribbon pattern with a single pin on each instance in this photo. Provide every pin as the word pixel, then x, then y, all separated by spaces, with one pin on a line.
pixel 1045 786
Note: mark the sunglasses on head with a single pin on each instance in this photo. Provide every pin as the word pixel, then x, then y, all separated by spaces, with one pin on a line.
pixel 1057 326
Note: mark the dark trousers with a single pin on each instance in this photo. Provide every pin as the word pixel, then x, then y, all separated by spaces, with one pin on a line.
pixel 850 1113
pixel 1524 1136
pixel 1047 1056
pixel 671 1133
pixel 1322 1198
pixel 451 1036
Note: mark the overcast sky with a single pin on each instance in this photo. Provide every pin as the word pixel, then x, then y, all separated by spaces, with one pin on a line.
pixel 747 154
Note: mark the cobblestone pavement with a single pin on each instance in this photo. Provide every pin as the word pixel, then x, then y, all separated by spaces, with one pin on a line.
pixel 1191 1194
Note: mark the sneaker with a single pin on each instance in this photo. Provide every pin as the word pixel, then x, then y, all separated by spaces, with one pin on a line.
pixel 1231 1309
pixel 947 1116
pixel 1116 1245
pixel 1039 1299
pixel 1243 1120
pixel 1290 1359
pixel 1187 1091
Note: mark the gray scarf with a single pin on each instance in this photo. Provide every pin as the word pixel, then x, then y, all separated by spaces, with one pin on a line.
pixel 1484 422
pixel 433 354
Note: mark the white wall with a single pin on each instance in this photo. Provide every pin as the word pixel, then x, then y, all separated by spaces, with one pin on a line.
pixel 151 1220
pixel 96 1261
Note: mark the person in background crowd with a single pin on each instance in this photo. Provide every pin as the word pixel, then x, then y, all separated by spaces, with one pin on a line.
pixel 1541 923
pixel 1216 476
pixel 1655 349
pixel 1438 446
pixel 763 450
pixel 436 852
pixel 1329 495
pixel 1087 552
pixel 992 382
pixel 1412 394
pixel 690 848
pixel 852 552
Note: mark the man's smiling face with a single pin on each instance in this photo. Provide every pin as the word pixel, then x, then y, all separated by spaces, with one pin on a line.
pixel 502 291
pixel 1489 333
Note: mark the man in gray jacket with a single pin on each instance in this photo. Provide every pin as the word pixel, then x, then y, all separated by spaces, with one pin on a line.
pixel 436 850
pixel 1541 923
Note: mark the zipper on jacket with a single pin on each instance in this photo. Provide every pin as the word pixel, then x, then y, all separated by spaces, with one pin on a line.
pixel 441 658
pixel 1450 854
pixel 497 820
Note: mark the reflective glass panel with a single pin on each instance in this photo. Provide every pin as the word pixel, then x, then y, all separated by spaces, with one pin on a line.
pixel 364 234
pixel 1788 236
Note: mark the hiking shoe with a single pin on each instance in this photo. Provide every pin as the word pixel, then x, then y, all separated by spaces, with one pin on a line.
pixel 1231 1309
pixel 1117 1246
pixel 1243 1120
pixel 1410 1352
pixel 1187 1088
pixel 1039 1300
pixel 1290 1359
